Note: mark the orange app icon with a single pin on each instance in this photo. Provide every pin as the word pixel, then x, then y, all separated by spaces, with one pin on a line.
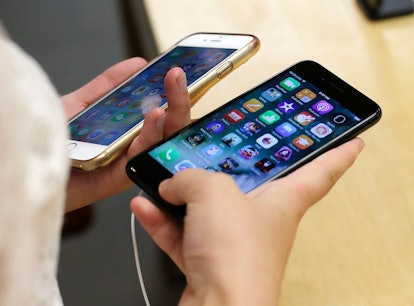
pixel 302 142
pixel 253 105
pixel 306 95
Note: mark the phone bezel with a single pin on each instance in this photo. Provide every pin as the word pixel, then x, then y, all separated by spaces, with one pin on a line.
pixel 148 173
pixel 89 156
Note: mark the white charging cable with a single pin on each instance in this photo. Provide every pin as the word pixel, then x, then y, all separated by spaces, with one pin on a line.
pixel 136 255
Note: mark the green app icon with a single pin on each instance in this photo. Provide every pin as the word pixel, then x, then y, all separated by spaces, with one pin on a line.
pixel 169 155
pixel 289 83
pixel 269 117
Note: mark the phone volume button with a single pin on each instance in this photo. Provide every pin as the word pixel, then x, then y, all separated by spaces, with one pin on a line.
pixel 224 69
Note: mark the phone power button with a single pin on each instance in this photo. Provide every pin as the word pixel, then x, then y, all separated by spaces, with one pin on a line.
pixel 224 69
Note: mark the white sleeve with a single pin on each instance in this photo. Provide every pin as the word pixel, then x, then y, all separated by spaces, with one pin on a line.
pixel 33 174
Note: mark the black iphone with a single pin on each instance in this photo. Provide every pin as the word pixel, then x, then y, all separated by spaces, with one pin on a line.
pixel 265 133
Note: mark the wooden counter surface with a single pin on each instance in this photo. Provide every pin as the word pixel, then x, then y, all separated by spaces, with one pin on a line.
pixel 356 246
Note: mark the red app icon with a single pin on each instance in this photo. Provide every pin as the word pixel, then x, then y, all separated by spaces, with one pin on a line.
pixel 234 116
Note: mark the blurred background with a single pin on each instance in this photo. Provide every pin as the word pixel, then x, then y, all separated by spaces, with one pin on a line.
pixel 353 248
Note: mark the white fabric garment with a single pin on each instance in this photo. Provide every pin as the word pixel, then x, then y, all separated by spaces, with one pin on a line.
pixel 34 170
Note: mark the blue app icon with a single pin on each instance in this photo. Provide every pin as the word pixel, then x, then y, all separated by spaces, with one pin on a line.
pixel 185 164
pixel 286 129
pixel 271 94
pixel 215 127
pixel 287 106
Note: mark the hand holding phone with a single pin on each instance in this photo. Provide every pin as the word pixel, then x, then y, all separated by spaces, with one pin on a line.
pixel 85 187
pixel 101 132
pixel 256 230
pixel 265 133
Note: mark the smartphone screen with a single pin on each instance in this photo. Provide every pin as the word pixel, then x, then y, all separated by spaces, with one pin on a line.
pixel 101 132
pixel 121 110
pixel 265 133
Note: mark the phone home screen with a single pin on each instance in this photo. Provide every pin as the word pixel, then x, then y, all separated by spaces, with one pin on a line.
pixel 121 110
pixel 261 133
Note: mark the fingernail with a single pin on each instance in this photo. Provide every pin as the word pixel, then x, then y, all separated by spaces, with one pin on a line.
pixel 182 81
pixel 160 122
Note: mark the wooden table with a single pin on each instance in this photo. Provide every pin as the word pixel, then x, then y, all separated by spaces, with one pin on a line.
pixel 356 246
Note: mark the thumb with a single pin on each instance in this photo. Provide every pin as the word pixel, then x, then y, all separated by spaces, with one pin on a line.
pixel 196 186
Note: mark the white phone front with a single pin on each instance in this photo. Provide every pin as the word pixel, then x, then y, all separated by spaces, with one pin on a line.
pixel 101 132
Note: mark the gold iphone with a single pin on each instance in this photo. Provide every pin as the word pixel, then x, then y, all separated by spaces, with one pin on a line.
pixel 100 133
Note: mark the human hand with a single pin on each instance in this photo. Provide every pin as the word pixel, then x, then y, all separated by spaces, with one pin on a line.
pixel 234 247
pixel 88 187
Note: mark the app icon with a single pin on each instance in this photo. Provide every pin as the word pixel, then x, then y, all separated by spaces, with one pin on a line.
pixel 248 152
pixel 96 134
pixel 204 55
pixel 228 164
pixel 287 106
pixel 234 116
pixel 168 155
pixel 231 139
pixel 284 153
pixel 322 107
pixel 109 101
pixel 173 65
pixel 133 118
pixel 306 95
pixel 160 65
pixel 140 90
pixel 264 165
pixel 215 127
pixel 106 115
pixel 189 54
pixel 267 140
pixel 176 53
pixel 269 117
pixel 339 119
pixel 302 142
pixel 187 67
pixel 289 83
pixel 137 104
pixel 120 116
pixel 73 128
pixel 212 151
pixel 92 113
pixel 123 103
pixel 286 129
pixel 127 89
pixel 217 57
pixel 253 105
pixel 271 94
pixel 250 128
pixel 154 91
pixel 110 136
pixel 156 78
pixel 304 118
pixel 195 139
pixel 185 164
pixel 82 131
pixel 321 130
pixel 200 70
